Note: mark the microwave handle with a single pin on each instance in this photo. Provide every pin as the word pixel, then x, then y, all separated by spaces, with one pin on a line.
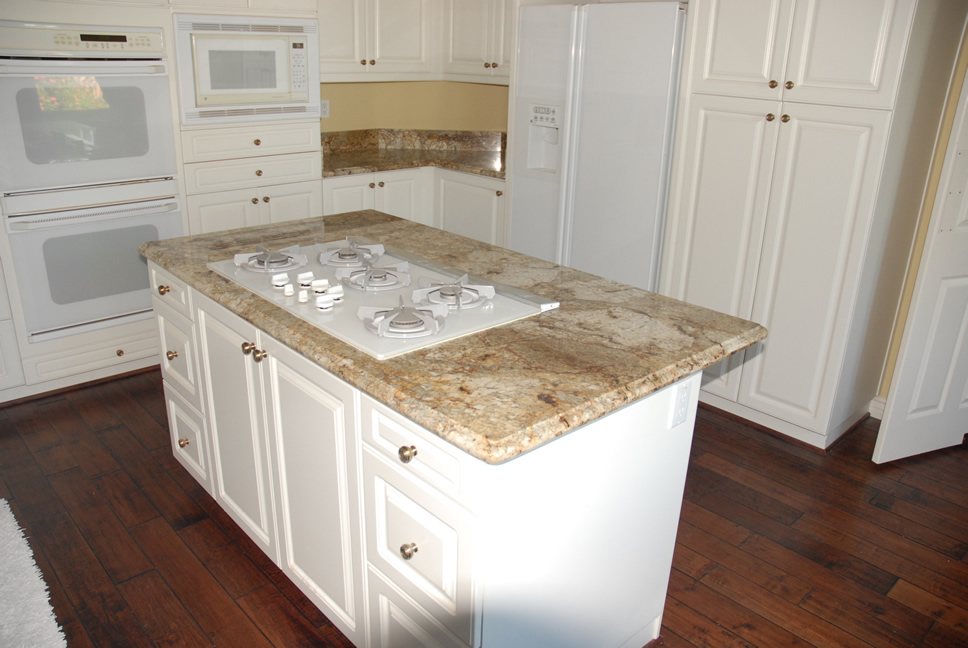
pixel 102 68
pixel 46 222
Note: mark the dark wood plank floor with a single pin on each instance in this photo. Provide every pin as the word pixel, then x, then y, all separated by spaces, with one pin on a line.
pixel 777 546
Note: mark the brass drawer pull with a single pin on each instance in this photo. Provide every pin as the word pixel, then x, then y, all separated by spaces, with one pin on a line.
pixel 171 355
pixel 258 355
pixel 407 453
pixel 248 347
pixel 163 290
pixel 257 142
pixel 183 442
pixel 408 550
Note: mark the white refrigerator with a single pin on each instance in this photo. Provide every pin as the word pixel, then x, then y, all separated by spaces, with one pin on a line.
pixel 593 105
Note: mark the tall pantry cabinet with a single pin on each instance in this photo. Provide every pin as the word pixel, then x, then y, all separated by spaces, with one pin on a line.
pixel 805 133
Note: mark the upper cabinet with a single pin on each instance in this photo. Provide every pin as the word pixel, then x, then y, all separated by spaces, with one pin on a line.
pixel 821 51
pixel 374 40
pixel 476 37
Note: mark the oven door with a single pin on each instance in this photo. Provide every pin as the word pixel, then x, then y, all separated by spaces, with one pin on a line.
pixel 70 123
pixel 80 270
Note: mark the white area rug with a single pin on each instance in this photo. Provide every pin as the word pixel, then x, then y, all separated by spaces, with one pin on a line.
pixel 26 618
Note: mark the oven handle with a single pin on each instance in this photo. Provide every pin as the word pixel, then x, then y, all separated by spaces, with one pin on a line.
pixel 68 67
pixel 125 211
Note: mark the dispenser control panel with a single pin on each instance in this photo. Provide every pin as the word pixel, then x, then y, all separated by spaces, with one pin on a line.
pixel 544 115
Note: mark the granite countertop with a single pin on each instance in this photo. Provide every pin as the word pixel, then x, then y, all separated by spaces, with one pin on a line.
pixel 485 163
pixel 504 391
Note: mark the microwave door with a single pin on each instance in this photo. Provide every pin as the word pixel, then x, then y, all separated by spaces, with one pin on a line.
pixel 82 123
pixel 235 69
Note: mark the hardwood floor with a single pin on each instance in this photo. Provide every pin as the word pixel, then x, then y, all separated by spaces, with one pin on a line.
pixel 777 545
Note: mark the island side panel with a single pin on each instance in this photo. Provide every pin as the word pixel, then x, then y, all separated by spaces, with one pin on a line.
pixel 578 535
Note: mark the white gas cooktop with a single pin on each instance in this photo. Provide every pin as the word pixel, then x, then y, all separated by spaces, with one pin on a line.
pixel 384 302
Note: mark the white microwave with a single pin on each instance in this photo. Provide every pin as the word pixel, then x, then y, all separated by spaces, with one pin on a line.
pixel 242 68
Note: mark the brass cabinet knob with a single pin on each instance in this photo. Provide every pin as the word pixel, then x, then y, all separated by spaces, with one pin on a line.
pixel 163 290
pixel 257 142
pixel 183 442
pixel 487 65
pixel 379 184
pixel 499 192
pixel 363 62
pixel 773 84
pixel 171 355
pixel 120 352
pixel 255 201
pixel 407 453
pixel 372 62
pixel 248 347
pixel 788 85
pixel 408 550
pixel 259 355
pixel 372 185
pixel 785 118
pixel 258 172
pixel 265 199
pixel 770 116
pixel 493 65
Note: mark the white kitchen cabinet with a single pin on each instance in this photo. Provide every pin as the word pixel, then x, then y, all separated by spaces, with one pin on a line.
pixel 312 421
pixel 472 206
pixel 790 207
pixel 242 476
pixel 476 38
pixel 212 212
pixel 249 175
pixel 815 51
pixel 402 193
pixel 375 40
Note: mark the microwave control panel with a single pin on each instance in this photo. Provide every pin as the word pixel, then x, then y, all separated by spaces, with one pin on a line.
pixel 298 72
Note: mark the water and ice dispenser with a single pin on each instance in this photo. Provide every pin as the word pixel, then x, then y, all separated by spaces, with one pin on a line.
pixel 543 139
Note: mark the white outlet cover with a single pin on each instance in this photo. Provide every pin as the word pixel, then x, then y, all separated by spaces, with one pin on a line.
pixel 324 108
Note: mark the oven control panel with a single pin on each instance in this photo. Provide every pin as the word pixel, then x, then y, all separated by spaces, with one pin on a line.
pixel 34 39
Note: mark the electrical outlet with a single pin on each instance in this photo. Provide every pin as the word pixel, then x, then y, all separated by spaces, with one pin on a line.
pixel 324 108
pixel 680 408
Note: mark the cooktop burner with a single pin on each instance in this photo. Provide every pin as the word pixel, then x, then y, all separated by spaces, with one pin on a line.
pixel 267 261
pixel 372 305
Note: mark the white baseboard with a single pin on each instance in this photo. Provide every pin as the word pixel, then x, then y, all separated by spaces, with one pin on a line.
pixel 877 407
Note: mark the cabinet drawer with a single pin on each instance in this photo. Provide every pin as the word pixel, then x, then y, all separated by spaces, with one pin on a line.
pixel 392 435
pixel 94 355
pixel 252 172
pixel 395 620
pixel 421 541
pixel 179 353
pixel 188 436
pixel 165 289
pixel 250 141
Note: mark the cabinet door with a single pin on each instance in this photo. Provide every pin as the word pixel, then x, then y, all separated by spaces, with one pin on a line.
pixel 234 399
pixel 312 419
pixel 502 38
pixel 401 193
pixel 291 201
pixel 342 37
pixel 466 38
pixel 472 206
pixel 179 365
pixel 189 437
pixel 221 210
pixel 398 35
pixel 848 53
pixel 828 164
pixel 720 198
pixel 740 46
pixel 348 193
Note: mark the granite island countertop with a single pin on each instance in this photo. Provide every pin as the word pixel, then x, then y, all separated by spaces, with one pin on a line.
pixel 504 391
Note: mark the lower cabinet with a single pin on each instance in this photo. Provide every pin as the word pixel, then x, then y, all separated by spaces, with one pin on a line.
pixel 401 193
pixel 283 432
pixel 399 537
pixel 472 206
pixel 220 210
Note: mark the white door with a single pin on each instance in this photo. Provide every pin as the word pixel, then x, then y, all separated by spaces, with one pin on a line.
pixel 348 193
pixel 927 407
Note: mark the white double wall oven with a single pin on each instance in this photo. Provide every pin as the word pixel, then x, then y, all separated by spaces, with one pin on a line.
pixel 87 172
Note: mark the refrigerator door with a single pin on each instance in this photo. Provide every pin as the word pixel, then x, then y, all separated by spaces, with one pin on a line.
pixel 540 106
pixel 624 117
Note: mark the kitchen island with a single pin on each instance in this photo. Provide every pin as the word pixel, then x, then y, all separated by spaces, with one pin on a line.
pixel 519 486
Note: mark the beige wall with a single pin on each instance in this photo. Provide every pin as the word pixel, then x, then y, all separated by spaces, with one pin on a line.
pixel 419 105
pixel 945 132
